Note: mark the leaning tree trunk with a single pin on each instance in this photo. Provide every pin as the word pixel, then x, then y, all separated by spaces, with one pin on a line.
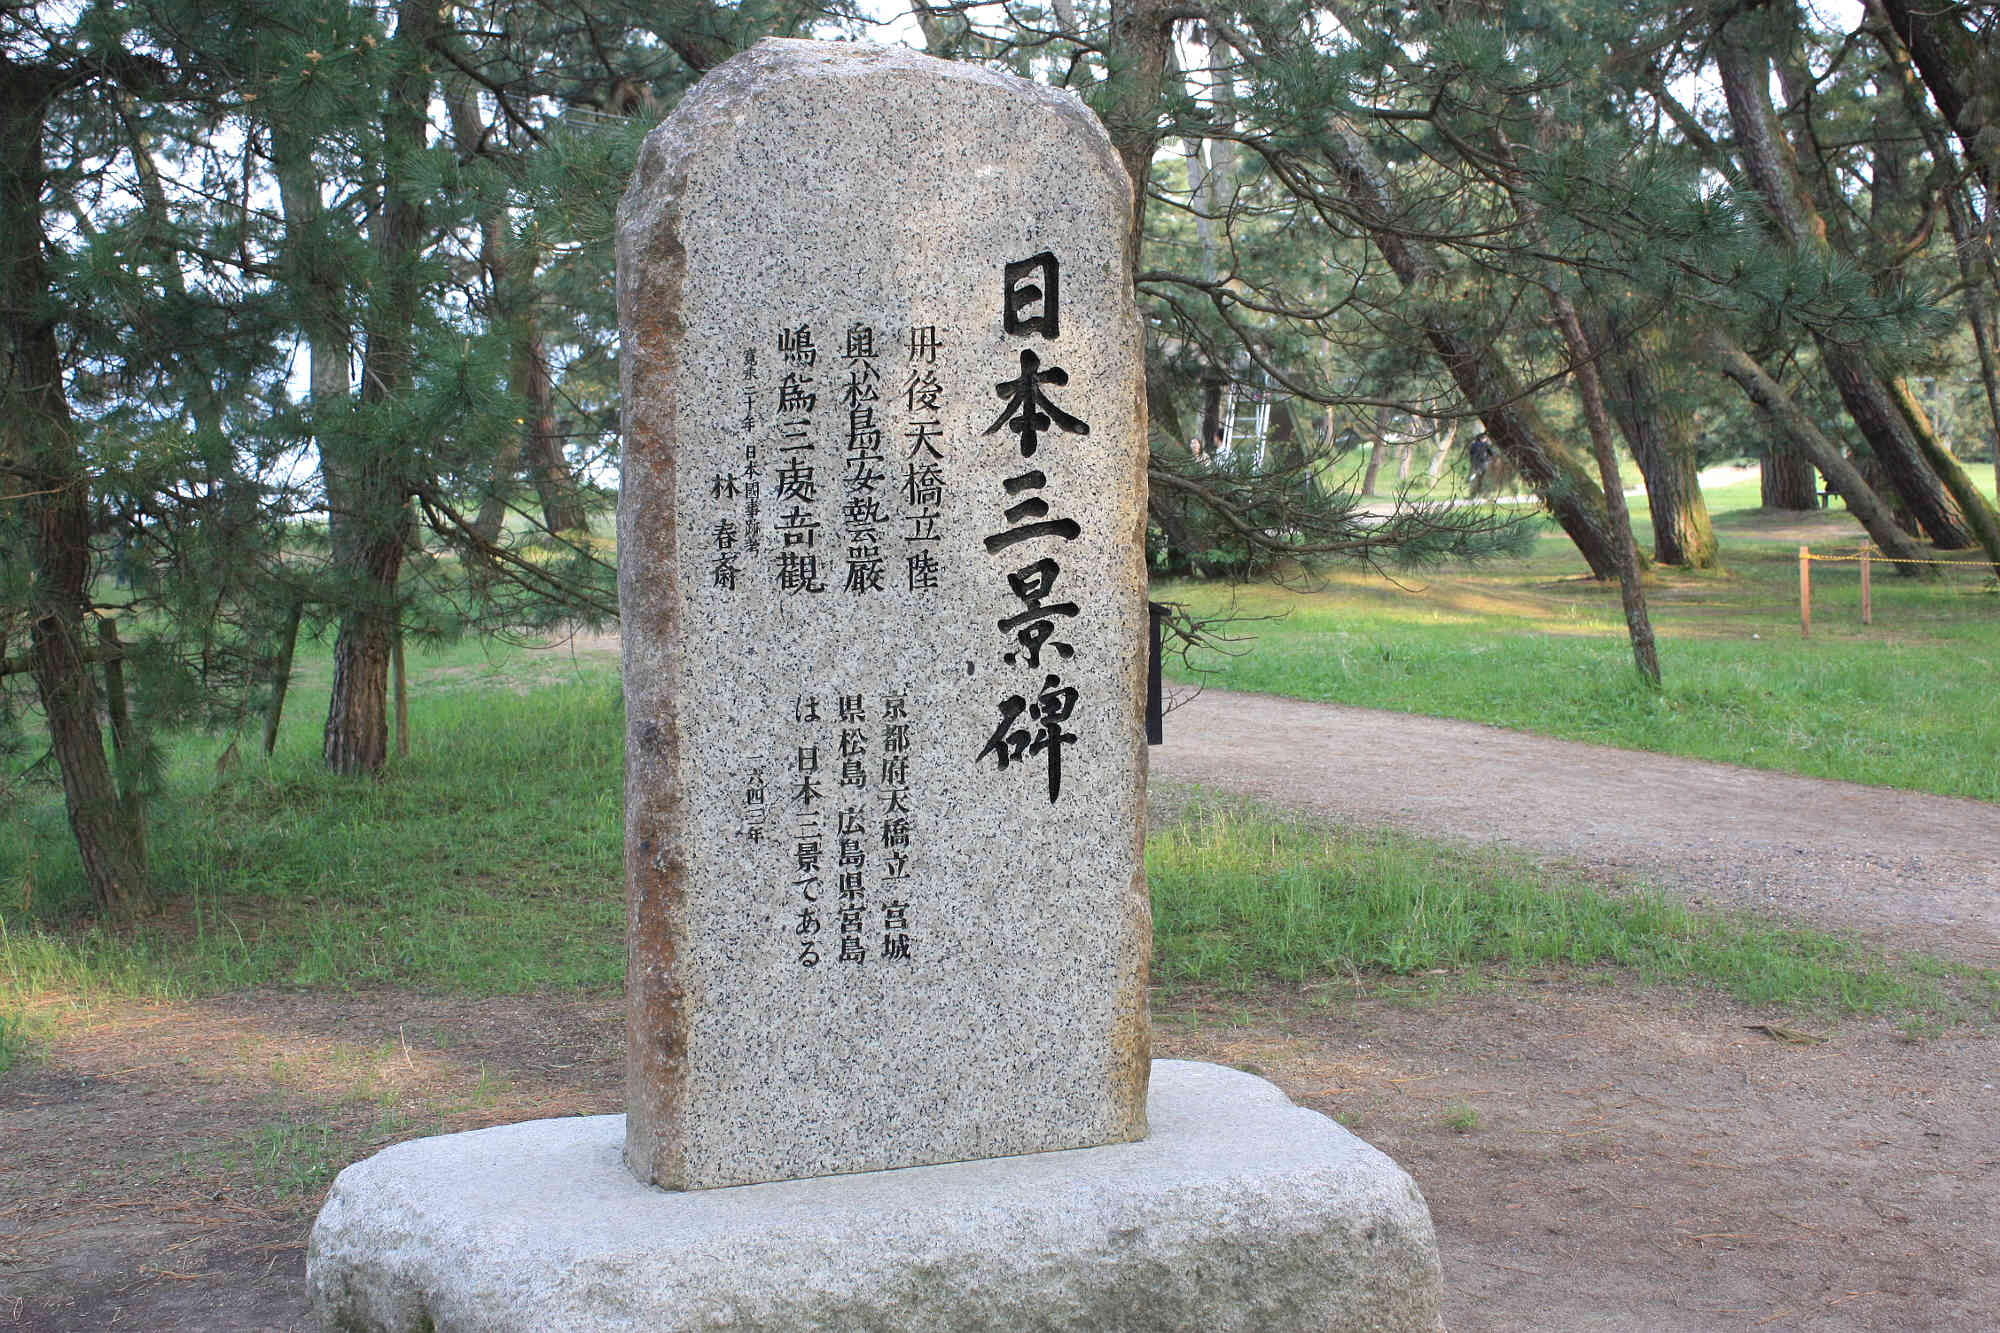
pixel 1960 72
pixel 1645 401
pixel 1513 426
pixel 1979 514
pixel 38 447
pixel 1632 592
pixel 1768 160
pixel 1801 434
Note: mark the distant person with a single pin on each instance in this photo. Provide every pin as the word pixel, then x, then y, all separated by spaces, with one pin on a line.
pixel 1481 453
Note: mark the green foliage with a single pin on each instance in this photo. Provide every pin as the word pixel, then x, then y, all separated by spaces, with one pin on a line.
pixel 13 1037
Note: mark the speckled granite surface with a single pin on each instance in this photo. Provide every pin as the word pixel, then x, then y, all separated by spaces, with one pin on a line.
pixel 881 571
pixel 1241 1214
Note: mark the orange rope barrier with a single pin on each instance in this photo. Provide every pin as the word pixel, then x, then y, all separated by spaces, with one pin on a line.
pixel 1865 557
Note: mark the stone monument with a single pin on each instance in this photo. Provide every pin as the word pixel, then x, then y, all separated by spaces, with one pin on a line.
pixel 881 581
pixel 880 552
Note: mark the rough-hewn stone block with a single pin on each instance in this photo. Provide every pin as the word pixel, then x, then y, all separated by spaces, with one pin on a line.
pixel 881 570
pixel 1241 1212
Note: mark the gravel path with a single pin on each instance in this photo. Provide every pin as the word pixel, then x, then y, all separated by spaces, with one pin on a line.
pixel 1903 868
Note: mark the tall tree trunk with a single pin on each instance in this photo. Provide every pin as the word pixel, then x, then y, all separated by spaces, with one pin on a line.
pixel 1646 402
pixel 1960 72
pixel 1375 448
pixel 1632 592
pixel 281 674
pixel 549 471
pixel 1742 60
pixel 38 447
pixel 1978 258
pixel 1138 59
pixel 1799 430
pixel 1442 450
pixel 1583 368
pixel 1212 390
pixel 516 310
pixel 1785 477
pixel 366 486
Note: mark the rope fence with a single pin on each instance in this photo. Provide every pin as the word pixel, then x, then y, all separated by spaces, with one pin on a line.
pixel 1866 557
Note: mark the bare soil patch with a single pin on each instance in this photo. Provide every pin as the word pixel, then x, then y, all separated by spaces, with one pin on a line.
pixel 1595 1158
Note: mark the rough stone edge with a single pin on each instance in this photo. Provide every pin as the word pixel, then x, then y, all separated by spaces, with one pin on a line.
pixel 651 273
pixel 380 1258
pixel 652 269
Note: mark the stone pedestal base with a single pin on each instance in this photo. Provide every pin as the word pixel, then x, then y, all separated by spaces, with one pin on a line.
pixel 1239 1212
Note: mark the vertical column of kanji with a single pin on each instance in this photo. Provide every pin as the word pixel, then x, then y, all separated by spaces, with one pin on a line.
pixel 1035 721
pixel 898 827
pixel 796 488
pixel 923 465
pixel 808 790
pixel 861 476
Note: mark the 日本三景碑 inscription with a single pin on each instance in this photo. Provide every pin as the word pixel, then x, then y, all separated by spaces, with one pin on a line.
pixel 881 572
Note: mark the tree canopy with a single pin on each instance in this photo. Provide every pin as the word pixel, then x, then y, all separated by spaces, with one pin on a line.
pixel 308 317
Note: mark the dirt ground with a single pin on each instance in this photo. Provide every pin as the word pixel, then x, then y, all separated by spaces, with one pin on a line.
pixel 1595 1156
pixel 1906 869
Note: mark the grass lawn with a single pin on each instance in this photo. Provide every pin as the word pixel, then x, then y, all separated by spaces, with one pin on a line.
pixel 1535 644
pixel 489 861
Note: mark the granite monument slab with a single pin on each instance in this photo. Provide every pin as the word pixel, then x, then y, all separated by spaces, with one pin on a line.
pixel 884 622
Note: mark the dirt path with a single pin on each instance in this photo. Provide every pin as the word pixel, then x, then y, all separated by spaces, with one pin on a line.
pixel 1904 868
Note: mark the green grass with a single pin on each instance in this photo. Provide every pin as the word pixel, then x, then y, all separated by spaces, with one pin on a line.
pixel 1240 897
pixel 488 860
pixel 1906 702
pixel 13 1038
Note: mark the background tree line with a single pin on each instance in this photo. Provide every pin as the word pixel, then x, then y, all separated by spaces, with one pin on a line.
pixel 308 322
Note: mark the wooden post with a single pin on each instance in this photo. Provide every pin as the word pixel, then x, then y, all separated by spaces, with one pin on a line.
pixel 1867 611
pixel 281 674
pixel 402 696
pixel 1805 592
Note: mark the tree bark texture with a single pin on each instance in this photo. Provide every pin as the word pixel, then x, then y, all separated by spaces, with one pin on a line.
pixel 1645 401
pixel 1979 514
pixel 1770 397
pixel 1511 422
pixel 516 309
pixel 366 489
pixel 1785 477
pixel 1742 60
pixel 1974 247
pixel 38 445
pixel 281 674
pixel 1375 448
pixel 1963 75
pixel 1631 591
pixel 1138 60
